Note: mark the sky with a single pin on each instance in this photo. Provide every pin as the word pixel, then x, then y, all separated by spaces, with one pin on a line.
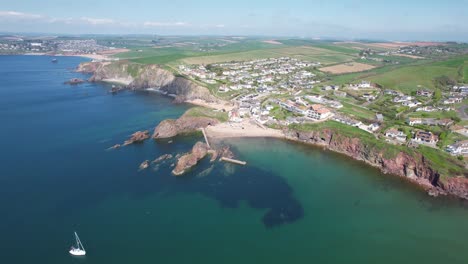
pixel 424 20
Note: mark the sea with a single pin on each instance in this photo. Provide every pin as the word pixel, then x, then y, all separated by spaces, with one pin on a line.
pixel 291 203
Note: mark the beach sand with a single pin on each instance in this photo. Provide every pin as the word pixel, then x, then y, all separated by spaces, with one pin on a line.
pixel 220 105
pixel 246 128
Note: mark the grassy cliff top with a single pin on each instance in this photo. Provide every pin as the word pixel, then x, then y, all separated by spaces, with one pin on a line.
pixel 199 111
pixel 446 165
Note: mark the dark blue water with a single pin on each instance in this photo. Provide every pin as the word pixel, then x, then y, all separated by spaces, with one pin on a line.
pixel 290 204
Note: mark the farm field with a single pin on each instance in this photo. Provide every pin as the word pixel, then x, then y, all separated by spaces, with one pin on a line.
pixel 307 53
pixel 347 68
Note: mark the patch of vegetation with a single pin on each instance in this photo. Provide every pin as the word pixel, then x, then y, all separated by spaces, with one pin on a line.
pixel 445 164
pixel 198 111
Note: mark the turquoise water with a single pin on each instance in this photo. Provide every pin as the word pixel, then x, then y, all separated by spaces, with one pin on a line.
pixel 290 204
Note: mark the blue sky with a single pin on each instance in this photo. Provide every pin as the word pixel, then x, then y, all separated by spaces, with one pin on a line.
pixel 350 19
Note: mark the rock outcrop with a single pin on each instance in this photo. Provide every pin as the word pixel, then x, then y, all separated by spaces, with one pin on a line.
pixel 144 165
pixel 415 167
pixel 185 124
pixel 137 137
pixel 141 76
pixel 162 158
pixel 75 81
pixel 191 159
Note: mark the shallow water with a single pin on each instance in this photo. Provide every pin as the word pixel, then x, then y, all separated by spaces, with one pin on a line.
pixel 290 204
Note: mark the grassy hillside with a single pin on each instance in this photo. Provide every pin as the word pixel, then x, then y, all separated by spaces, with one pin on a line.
pixel 408 78
pixel 206 112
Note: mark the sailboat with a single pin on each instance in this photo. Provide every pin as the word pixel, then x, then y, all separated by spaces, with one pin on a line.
pixel 77 250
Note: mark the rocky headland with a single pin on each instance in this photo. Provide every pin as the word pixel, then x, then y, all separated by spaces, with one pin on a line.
pixel 141 76
pixel 183 125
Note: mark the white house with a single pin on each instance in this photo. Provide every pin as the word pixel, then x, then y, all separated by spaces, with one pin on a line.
pixel 395 134
pixel 319 112
pixel 459 148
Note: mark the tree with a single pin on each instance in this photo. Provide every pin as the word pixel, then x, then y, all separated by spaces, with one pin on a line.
pixel 444 81
pixel 437 95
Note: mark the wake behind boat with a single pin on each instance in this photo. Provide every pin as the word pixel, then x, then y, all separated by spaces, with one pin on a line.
pixel 78 249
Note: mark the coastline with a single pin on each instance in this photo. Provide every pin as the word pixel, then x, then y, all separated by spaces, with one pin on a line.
pixel 413 168
pixel 101 56
pixel 246 129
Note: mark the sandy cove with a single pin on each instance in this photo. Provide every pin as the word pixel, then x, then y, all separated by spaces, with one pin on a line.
pixel 246 128
pixel 103 55
pixel 221 105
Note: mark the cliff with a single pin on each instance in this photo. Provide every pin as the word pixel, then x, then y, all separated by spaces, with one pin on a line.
pixel 411 165
pixel 192 120
pixel 141 76
pixel 185 124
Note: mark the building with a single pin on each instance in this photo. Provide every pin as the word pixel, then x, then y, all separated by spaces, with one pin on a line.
pixel 459 148
pixel 379 117
pixel 395 134
pixel 411 104
pixel 373 127
pixel 453 100
pixel 319 112
pixel 339 93
pixel 425 93
pixel 404 98
pixel 425 137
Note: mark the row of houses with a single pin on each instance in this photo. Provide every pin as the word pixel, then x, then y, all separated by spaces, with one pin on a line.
pixel 314 111
pixel 419 137
pixel 430 121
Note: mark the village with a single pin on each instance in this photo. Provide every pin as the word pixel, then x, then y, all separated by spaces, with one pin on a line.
pixel 283 91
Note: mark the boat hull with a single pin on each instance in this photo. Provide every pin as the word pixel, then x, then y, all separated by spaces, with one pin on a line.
pixel 77 252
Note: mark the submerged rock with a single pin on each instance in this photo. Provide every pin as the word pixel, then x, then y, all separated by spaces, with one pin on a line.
pixel 116 146
pixel 191 159
pixel 74 81
pixel 162 158
pixel 144 165
pixel 137 137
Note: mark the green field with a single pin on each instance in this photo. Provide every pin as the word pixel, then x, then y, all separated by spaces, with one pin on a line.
pixel 205 112
pixel 224 50
pixel 407 78
pixel 306 53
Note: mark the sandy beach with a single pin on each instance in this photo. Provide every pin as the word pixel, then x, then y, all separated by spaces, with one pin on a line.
pixel 220 105
pixel 103 55
pixel 244 129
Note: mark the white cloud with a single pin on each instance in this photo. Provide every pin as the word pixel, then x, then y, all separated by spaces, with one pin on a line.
pixel 98 21
pixel 19 15
pixel 220 26
pixel 164 24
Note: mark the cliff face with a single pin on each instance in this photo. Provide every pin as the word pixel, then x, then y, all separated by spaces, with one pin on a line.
pixel 140 76
pixel 415 167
